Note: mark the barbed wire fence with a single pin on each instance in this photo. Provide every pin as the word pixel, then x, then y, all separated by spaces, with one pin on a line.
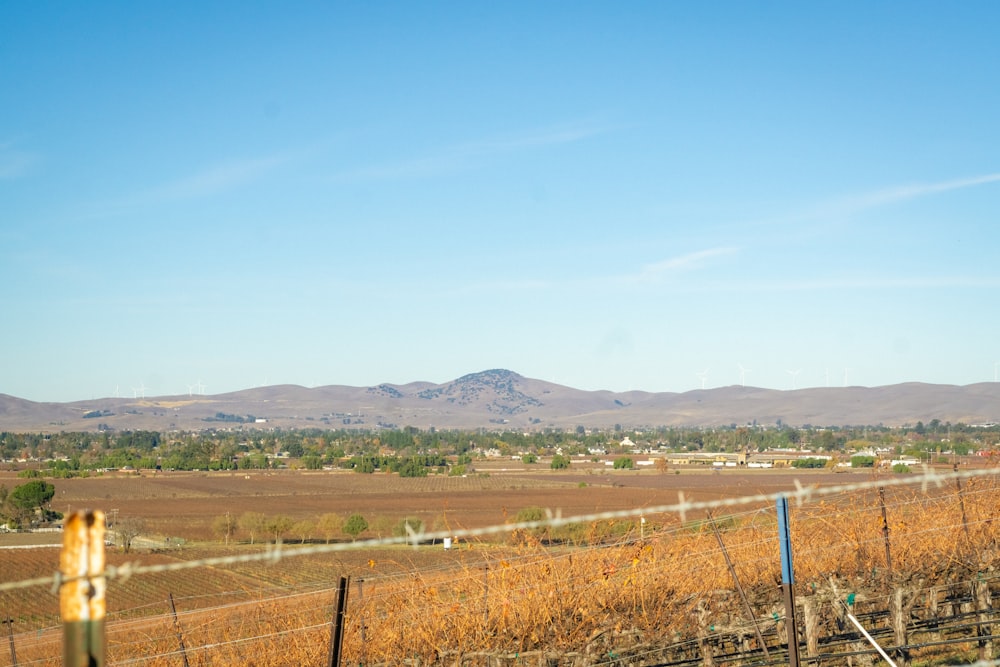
pixel 92 580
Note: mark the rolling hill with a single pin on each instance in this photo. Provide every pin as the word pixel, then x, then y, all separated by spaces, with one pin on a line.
pixel 502 399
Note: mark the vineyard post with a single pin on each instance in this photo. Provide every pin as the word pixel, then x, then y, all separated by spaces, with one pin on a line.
pixel 177 629
pixel 984 603
pixel 787 580
pixel 10 636
pixel 885 533
pixel 361 597
pixel 337 626
pixel 739 587
pixel 961 505
pixel 81 592
pixel 486 594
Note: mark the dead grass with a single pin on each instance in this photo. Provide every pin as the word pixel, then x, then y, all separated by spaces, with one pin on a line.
pixel 522 596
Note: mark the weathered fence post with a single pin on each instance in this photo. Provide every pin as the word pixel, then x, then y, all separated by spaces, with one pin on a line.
pixel 984 604
pixel 177 630
pixel 81 592
pixel 704 643
pixel 899 613
pixel 10 636
pixel 337 629
pixel 787 581
pixel 811 618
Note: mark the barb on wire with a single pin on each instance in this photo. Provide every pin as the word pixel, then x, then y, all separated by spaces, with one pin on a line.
pixel 682 507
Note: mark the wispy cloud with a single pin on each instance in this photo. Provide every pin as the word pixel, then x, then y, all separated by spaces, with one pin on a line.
pixel 469 154
pixel 688 262
pixel 649 274
pixel 897 194
pixel 210 180
pixel 216 178
pixel 15 163
pixel 693 261
pixel 855 283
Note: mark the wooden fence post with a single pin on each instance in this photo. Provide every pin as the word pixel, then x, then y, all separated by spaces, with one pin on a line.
pixel 811 617
pixel 899 613
pixel 10 636
pixel 984 604
pixel 81 592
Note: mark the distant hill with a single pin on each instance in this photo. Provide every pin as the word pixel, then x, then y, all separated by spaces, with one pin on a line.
pixel 502 399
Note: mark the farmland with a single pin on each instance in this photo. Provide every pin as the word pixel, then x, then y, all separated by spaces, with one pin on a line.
pixel 513 594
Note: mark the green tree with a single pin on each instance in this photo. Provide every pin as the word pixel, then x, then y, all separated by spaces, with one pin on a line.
pixel 312 462
pixel 624 463
pixel 559 462
pixel 355 525
pixel 29 500
pixel 412 468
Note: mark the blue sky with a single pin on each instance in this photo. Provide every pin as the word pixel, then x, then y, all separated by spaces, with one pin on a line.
pixel 640 196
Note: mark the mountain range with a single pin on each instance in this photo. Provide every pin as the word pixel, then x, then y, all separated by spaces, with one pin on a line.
pixel 501 399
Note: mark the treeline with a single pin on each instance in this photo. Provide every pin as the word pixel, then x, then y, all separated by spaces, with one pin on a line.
pixel 415 451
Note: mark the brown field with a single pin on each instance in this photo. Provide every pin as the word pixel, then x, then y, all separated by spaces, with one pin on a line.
pixel 184 504
pixel 502 594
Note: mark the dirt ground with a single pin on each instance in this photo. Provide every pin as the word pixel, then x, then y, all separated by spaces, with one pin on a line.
pixel 184 504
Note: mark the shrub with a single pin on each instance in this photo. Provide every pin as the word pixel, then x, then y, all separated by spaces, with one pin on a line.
pixel 412 468
pixel 559 462
pixel 862 461
pixel 355 525
pixel 901 467
pixel 624 463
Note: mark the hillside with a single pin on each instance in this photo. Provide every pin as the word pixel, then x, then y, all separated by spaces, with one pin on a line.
pixel 500 399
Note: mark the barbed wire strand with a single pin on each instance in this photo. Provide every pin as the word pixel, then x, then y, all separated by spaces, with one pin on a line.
pixel 274 553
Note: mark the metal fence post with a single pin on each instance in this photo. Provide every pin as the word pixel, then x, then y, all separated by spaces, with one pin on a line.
pixel 81 593
pixel 337 629
pixel 787 581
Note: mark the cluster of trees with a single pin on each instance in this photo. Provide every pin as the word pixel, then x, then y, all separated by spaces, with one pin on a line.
pixel 27 504
pixel 256 527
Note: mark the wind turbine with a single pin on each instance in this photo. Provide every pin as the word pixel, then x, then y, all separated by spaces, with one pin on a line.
pixel 743 375
pixel 190 389
pixel 996 364
pixel 794 375
pixel 201 387
pixel 142 389
pixel 704 376
pixel 845 376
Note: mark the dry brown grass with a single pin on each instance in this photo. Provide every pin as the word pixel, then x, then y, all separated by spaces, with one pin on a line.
pixel 521 596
